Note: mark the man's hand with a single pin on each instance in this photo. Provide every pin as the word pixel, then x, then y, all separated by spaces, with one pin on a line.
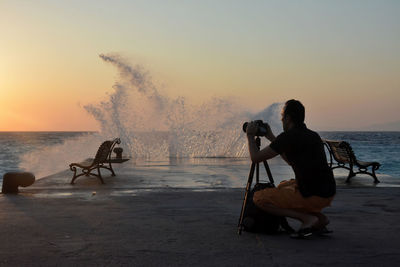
pixel 251 129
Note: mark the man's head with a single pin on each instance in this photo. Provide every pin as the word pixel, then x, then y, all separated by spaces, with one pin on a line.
pixel 292 114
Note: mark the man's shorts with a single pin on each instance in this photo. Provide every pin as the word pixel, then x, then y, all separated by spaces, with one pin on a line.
pixel 287 196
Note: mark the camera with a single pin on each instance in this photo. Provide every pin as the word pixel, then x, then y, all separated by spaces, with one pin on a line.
pixel 261 127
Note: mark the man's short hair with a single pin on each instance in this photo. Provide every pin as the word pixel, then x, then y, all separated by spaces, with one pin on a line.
pixel 295 110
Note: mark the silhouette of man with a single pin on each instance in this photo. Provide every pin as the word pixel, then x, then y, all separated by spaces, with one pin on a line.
pixel 313 188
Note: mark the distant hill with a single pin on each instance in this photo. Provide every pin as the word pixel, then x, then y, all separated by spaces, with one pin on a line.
pixel 389 126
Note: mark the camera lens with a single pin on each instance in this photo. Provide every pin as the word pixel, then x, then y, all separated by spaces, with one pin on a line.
pixel 245 126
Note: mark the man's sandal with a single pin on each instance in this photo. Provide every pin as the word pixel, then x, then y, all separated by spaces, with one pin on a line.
pixel 302 233
pixel 322 231
pixel 305 233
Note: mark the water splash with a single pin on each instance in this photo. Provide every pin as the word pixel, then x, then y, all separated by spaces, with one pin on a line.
pixel 154 126
pixel 272 115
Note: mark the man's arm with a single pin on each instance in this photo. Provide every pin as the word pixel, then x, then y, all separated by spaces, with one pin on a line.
pixel 259 155
pixel 255 154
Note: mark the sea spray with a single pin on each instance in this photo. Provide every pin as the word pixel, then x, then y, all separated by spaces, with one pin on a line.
pixel 54 158
pixel 154 126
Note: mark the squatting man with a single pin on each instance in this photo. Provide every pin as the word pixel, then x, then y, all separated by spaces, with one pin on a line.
pixel 313 188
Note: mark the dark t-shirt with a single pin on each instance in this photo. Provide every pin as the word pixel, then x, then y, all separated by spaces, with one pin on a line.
pixel 305 152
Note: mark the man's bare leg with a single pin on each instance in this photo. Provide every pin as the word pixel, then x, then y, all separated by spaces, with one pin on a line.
pixel 322 220
pixel 308 220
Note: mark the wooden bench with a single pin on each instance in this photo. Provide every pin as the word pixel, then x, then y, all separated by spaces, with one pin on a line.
pixel 345 158
pixel 101 160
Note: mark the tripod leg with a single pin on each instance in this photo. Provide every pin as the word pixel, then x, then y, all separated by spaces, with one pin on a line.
pixel 249 182
pixel 271 180
pixel 257 172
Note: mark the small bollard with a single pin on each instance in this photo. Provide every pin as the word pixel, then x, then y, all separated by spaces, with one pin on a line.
pixel 12 180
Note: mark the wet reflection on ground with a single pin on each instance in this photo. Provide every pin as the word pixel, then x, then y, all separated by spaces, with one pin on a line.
pixel 199 174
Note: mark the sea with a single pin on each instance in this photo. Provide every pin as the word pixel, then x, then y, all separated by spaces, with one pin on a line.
pixel 38 152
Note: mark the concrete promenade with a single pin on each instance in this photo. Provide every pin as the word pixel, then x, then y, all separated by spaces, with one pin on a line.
pixel 122 224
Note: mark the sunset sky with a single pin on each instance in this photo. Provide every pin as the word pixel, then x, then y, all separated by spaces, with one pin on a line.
pixel 340 58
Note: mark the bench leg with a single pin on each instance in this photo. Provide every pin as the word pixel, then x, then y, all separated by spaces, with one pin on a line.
pixel 73 177
pixel 100 177
pixel 374 175
pixel 351 174
pixel 365 171
pixel 112 170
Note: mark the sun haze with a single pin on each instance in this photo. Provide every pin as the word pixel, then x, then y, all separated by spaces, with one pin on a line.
pixel 340 59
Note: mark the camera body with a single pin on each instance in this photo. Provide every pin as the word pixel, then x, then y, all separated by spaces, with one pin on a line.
pixel 261 127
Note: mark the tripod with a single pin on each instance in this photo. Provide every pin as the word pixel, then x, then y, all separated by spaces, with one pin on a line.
pixel 254 167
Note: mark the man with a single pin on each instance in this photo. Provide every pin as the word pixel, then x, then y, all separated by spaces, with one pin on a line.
pixel 314 185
